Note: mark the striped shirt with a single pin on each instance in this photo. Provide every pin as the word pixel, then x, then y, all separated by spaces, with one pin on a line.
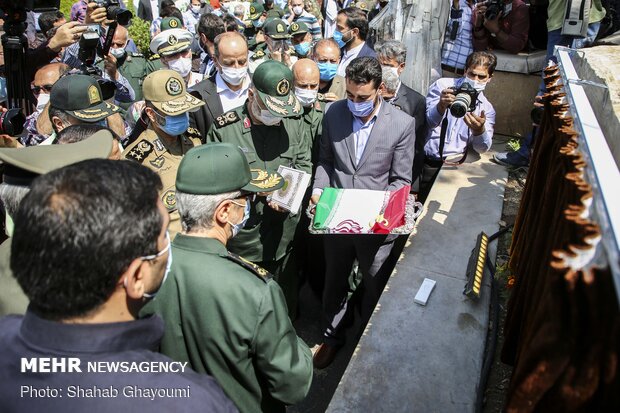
pixel 455 52
pixel 311 21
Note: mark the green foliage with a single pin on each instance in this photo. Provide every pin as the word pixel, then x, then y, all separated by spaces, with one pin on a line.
pixel 139 32
pixel 65 8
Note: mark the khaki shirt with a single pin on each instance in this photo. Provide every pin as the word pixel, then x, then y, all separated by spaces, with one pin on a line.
pixel 164 158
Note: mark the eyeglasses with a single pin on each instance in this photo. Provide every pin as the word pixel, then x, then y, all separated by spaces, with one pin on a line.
pixel 37 89
pixel 160 253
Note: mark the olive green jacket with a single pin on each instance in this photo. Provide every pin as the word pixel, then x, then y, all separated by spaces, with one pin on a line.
pixel 268 235
pixel 227 317
pixel 12 297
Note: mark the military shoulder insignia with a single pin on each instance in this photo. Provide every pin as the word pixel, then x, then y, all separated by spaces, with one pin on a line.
pixel 227 118
pixel 139 152
pixel 158 162
pixel 193 132
pixel 259 54
pixel 320 97
pixel 136 54
pixel 158 145
pixel 169 200
pixel 250 266
pixel 154 57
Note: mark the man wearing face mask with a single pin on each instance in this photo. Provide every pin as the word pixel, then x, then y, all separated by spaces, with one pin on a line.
pixel 474 130
pixel 228 88
pixel 392 55
pixel 225 315
pixel 269 130
pixel 168 136
pixel 131 65
pixel 173 44
pixel 326 55
pixel 301 39
pixel 257 15
pixel 41 88
pixel 276 46
pixel 350 34
pixel 196 9
pixel 90 249
pixel 366 144
pixel 298 14
pixel 306 81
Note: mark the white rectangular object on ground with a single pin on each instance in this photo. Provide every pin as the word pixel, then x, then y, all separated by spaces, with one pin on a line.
pixel 425 291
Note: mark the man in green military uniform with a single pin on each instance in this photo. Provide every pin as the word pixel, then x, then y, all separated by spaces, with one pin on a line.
pixel 225 315
pixel 275 47
pixel 257 15
pixel 301 39
pixel 168 136
pixel 132 66
pixel 270 131
pixel 21 167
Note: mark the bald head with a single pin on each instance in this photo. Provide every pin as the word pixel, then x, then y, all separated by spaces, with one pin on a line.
pixel 121 35
pixel 306 74
pixel 230 43
pixel 49 74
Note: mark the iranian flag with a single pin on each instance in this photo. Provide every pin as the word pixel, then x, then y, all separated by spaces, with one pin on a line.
pixel 360 211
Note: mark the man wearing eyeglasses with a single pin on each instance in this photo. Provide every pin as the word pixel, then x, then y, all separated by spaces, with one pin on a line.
pixel 168 136
pixel 90 249
pixel 41 87
pixel 225 315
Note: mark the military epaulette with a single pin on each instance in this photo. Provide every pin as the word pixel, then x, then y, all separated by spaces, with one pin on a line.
pixel 136 54
pixel 154 57
pixel 227 118
pixel 193 132
pixel 259 54
pixel 320 97
pixel 250 266
pixel 139 152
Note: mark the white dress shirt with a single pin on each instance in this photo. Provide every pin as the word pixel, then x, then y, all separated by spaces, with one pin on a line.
pixel 347 57
pixel 231 99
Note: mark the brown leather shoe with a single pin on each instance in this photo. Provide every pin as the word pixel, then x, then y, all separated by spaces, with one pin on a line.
pixel 324 356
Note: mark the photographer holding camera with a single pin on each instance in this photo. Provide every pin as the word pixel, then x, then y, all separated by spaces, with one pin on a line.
pixel 501 24
pixel 458 115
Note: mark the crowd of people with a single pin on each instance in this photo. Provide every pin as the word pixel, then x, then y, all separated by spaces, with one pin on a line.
pixel 137 201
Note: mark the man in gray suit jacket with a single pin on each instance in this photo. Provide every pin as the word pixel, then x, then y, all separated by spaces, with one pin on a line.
pixel 366 144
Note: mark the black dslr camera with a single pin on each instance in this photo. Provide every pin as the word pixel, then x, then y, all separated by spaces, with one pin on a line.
pixel 465 100
pixel 115 11
pixel 90 45
pixel 494 8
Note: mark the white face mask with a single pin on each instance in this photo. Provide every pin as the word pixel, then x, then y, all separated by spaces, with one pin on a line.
pixel 195 9
pixel 298 10
pixel 263 115
pixel 233 75
pixel 118 53
pixel 42 101
pixel 182 65
pixel 479 86
pixel 306 96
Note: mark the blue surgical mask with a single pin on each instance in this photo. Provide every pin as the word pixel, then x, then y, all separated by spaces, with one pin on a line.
pixel 361 109
pixel 338 38
pixel 302 49
pixel 246 215
pixel 176 125
pixel 327 70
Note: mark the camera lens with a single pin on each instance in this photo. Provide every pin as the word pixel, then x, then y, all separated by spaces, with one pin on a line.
pixel 460 106
pixel 12 122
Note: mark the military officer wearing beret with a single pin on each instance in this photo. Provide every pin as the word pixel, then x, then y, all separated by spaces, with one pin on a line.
pixel 21 167
pixel 168 136
pixel 225 315
pixel 276 46
pixel 269 130
pixel 173 45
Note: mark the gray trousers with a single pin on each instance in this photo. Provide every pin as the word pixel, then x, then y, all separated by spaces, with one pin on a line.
pixel 372 252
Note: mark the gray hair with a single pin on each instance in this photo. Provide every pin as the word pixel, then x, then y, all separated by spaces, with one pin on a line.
pixel 197 211
pixel 392 49
pixel 11 196
pixel 390 79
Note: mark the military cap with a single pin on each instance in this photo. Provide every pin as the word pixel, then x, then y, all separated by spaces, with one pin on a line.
pixel 273 81
pixel 166 90
pixel 298 28
pixel 216 168
pixel 256 10
pixel 275 12
pixel 23 165
pixel 363 5
pixel 171 41
pixel 80 96
pixel 168 23
pixel 276 29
